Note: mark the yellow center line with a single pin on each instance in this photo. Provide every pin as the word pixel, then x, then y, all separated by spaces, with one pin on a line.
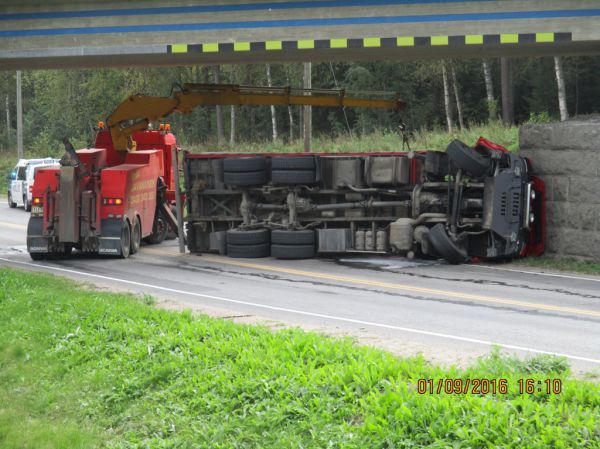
pixel 13 225
pixel 392 286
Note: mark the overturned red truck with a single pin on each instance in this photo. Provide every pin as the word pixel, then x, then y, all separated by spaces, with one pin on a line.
pixel 480 201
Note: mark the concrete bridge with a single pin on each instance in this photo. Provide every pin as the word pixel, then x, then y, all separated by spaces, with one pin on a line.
pixel 88 33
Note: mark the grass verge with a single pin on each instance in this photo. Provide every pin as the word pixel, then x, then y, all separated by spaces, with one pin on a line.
pixel 82 369
pixel 424 139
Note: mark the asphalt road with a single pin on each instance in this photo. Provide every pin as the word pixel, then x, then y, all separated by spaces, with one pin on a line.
pixel 451 314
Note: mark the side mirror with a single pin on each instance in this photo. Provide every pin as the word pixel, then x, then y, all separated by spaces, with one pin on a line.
pixel 13 175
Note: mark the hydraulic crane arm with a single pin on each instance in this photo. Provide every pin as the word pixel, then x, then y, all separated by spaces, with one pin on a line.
pixel 137 111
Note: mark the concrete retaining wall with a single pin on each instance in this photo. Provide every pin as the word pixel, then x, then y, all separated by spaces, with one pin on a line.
pixel 567 157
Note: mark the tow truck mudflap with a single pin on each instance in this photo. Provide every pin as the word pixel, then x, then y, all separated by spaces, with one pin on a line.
pixel 109 244
pixel 36 241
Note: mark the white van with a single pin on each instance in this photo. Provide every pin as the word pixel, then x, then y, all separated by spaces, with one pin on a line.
pixel 22 178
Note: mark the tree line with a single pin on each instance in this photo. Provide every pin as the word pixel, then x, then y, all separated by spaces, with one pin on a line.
pixel 450 94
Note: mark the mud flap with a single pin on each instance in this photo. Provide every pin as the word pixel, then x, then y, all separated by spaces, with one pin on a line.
pixel 110 242
pixel 36 242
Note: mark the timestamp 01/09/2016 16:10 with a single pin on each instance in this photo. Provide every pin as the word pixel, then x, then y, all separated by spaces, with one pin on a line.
pixel 488 386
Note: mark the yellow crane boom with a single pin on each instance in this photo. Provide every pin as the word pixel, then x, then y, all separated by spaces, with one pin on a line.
pixel 137 111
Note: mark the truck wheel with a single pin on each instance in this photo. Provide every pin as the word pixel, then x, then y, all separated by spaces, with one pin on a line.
pixel 293 251
pixel 136 234
pixel 242 179
pixel 26 204
pixel 38 256
pixel 288 244
pixel 244 164
pixel 159 230
pixel 285 237
pixel 445 246
pixel 293 177
pixel 257 236
pixel 468 159
pixel 248 251
pixel 125 240
pixel 293 163
pixel 11 203
pixel 65 252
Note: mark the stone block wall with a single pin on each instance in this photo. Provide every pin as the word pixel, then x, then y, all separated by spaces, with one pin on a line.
pixel 567 157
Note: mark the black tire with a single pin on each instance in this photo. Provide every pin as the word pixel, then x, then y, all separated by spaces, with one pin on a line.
pixel 255 178
pixel 293 163
pixel 38 256
pixel 248 251
pixel 244 164
pixel 293 251
pixel 468 159
pixel 65 252
pixel 254 237
pixel 136 236
pixel 293 177
pixel 284 237
pixel 445 246
pixel 11 204
pixel 125 240
pixel 26 204
pixel 160 228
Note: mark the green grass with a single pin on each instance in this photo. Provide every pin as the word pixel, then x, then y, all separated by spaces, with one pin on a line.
pixel 561 264
pixel 84 369
pixel 436 139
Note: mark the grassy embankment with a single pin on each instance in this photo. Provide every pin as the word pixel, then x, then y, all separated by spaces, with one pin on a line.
pixel 83 369
pixel 436 139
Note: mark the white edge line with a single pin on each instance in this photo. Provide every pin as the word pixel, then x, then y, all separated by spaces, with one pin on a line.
pixel 538 273
pixel 311 314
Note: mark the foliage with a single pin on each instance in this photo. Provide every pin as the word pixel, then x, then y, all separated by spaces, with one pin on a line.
pixel 71 102
pixel 82 369
pixel 539 117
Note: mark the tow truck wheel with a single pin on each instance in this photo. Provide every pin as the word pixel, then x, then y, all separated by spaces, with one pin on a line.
pixel 67 250
pixel 136 236
pixel 26 204
pixel 160 228
pixel 125 240
pixel 11 203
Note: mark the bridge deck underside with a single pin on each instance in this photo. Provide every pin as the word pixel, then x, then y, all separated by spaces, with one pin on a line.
pixel 134 33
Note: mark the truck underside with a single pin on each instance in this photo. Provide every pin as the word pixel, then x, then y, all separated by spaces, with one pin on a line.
pixel 468 202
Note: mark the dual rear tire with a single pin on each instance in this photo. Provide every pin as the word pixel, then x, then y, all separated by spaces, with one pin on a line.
pixel 281 244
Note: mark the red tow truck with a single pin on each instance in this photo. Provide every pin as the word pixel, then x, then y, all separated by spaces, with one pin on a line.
pixel 107 201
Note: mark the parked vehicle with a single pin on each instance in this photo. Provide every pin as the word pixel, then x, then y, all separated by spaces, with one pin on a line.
pixel 21 181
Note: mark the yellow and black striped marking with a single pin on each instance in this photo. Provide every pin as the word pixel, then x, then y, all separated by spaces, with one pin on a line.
pixel 372 42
